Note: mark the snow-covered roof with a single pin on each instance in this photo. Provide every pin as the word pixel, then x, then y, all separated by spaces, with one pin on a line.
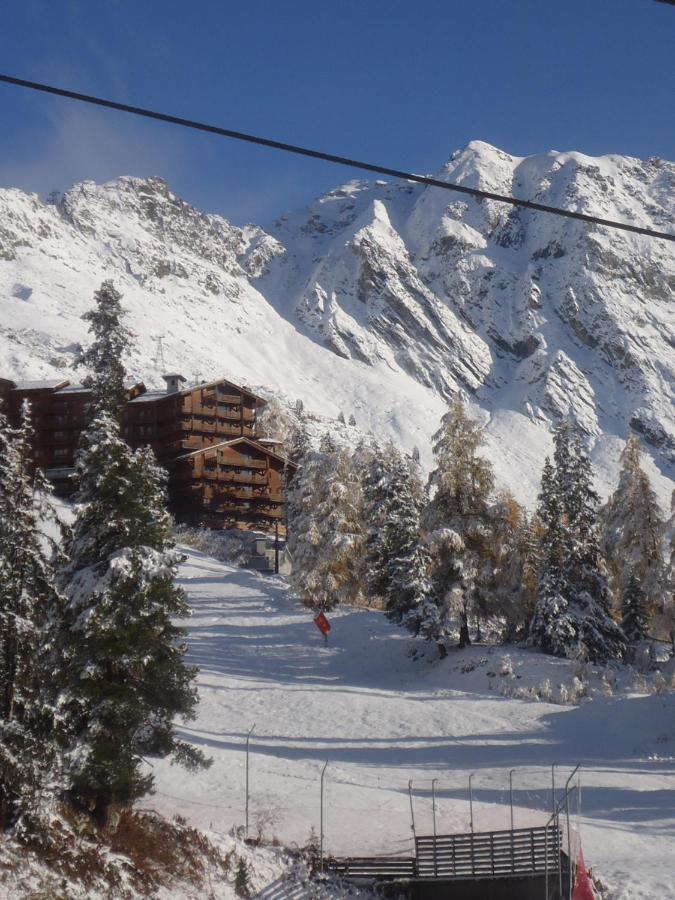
pixel 238 440
pixel 41 385
pixel 149 396
pixel 74 389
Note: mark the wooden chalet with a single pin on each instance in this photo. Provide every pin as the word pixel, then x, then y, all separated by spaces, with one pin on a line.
pixel 238 483
pixel 220 475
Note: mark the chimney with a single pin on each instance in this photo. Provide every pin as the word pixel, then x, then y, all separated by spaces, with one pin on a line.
pixel 173 383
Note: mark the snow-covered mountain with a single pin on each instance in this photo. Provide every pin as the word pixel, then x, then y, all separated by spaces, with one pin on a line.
pixel 382 299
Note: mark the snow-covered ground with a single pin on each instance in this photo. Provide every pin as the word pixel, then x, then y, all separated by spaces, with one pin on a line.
pixel 380 717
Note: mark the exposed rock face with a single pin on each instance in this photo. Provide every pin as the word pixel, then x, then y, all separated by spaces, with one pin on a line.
pixel 525 312
pixel 558 316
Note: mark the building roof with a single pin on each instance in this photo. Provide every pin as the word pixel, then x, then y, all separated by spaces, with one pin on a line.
pixel 42 385
pixel 210 384
pixel 152 396
pixel 239 440
pixel 73 389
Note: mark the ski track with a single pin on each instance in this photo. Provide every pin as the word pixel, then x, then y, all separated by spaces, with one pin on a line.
pixel 380 717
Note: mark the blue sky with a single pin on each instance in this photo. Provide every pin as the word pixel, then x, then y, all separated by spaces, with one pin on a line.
pixel 400 83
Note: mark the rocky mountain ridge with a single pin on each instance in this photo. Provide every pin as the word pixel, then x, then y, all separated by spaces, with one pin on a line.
pixel 381 298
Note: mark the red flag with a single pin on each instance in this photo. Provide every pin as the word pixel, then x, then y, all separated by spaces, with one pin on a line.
pixel 322 624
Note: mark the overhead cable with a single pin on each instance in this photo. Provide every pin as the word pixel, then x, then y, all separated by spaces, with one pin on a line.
pixel 331 157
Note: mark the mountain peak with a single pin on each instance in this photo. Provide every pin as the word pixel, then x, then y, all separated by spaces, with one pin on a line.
pixel 381 297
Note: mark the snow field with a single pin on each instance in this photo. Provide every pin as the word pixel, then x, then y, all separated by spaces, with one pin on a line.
pixel 381 717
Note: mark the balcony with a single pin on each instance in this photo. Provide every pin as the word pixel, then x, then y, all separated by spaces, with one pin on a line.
pixel 243 463
pixel 233 477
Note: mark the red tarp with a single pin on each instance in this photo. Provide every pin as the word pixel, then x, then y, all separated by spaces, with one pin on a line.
pixel 583 889
pixel 322 624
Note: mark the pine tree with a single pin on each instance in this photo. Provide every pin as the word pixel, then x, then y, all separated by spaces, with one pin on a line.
pixel 396 560
pixel 118 656
pixel 104 356
pixel 242 886
pixel 633 607
pixel 571 615
pixel 27 592
pixel 352 419
pixel 632 531
pixel 550 627
pixel 341 417
pixel 299 443
pixel 325 528
pixel 668 613
pixel 457 519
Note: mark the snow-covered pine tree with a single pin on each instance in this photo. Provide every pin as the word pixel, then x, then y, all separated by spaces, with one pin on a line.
pixel 456 518
pixel 341 417
pixel 373 470
pixel 118 657
pixel 396 561
pixel 550 627
pixel 104 356
pixel 27 591
pixel 352 419
pixel 325 528
pixel 571 616
pixel 633 608
pixel 668 615
pixel 581 503
pixel 299 442
pixel 632 531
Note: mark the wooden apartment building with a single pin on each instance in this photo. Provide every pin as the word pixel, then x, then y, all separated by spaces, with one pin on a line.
pixel 220 474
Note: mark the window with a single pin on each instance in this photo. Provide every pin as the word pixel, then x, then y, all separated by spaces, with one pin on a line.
pixel 61 452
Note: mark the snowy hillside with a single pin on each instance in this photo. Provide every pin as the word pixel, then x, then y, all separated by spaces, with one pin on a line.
pixel 380 717
pixel 381 299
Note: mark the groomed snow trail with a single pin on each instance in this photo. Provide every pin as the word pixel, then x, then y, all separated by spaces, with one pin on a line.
pixel 380 717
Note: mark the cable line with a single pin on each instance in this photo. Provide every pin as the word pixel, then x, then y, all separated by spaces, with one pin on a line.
pixel 331 157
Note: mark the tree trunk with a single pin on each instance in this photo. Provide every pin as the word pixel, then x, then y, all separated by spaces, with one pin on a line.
pixel 464 637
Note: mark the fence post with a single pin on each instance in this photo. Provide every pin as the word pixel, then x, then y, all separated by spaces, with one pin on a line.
pixel 570 885
pixel 471 800
pixel 323 772
pixel 412 812
pixel 553 765
pixel 433 807
pixel 511 804
pixel 248 740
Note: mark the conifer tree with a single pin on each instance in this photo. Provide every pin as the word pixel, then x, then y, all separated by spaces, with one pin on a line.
pixel 633 607
pixel 117 656
pixel 325 528
pixel 632 531
pixel 27 591
pixel 571 616
pixel 104 357
pixel 395 559
pixel 457 517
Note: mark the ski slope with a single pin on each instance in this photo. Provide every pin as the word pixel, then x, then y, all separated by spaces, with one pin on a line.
pixel 380 717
